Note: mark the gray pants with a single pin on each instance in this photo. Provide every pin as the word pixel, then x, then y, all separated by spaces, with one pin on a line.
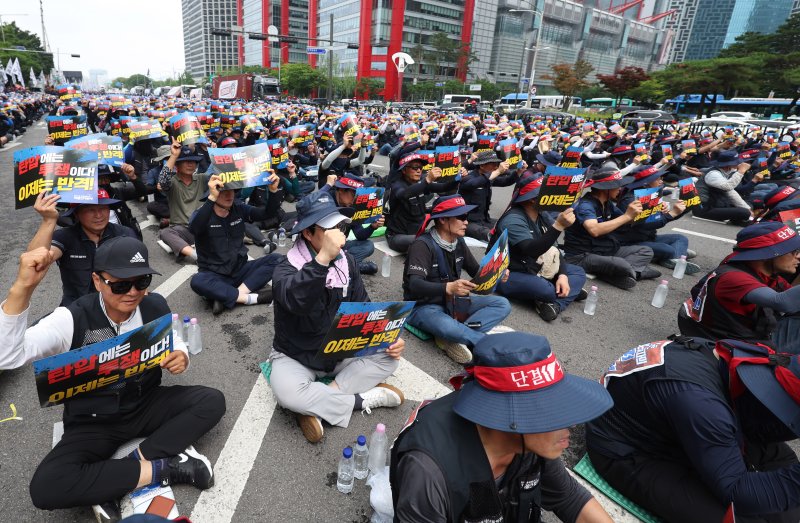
pixel 627 261
pixel 177 237
pixel 295 387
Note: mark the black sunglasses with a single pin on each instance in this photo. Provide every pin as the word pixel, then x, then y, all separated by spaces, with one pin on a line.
pixel 124 286
pixel 462 218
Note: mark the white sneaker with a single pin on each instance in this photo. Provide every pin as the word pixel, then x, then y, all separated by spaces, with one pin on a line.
pixel 383 395
pixel 458 352
pixel 499 329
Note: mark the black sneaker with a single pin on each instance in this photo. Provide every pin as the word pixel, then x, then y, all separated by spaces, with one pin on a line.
pixel 367 267
pixel 547 311
pixel 264 296
pixel 218 308
pixel 582 295
pixel 648 274
pixel 189 468
pixel 108 512
pixel 623 282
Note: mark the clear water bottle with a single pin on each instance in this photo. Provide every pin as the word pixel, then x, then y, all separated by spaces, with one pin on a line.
pixel 361 458
pixel 281 237
pixel 660 296
pixel 680 268
pixel 177 327
pixel 344 481
pixel 386 265
pixel 185 331
pixel 377 449
pixel 195 339
pixel 591 301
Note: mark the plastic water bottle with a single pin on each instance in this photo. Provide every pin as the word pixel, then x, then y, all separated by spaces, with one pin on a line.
pixel 195 339
pixel 185 329
pixel 386 265
pixel 660 296
pixel 344 481
pixel 177 327
pixel 361 458
pixel 281 237
pixel 591 301
pixel 680 268
pixel 377 449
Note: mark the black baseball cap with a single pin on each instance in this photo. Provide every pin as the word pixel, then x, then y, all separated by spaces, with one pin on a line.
pixel 123 257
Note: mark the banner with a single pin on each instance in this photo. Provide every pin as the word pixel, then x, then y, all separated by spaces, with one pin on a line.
pixel 689 146
pixel 242 166
pixel 651 203
pixel 108 148
pixel 63 128
pixel 70 173
pixel 485 143
pixel 561 188
pixel 68 92
pixel 448 159
pixel 186 128
pixel 363 329
pixel 368 205
pixel 688 192
pixel 666 152
pixel 144 130
pixel 791 218
pixel 509 152
pixel 572 157
pixel 109 362
pixel 493 264
pixel 279 152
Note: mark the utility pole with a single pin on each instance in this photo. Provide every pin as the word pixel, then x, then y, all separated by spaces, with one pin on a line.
pixel 330 61
pixel 45 45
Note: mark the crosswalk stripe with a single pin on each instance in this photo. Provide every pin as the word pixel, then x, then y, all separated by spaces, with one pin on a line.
pixel 703 235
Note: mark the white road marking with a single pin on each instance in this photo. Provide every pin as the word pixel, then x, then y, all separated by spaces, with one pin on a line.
pixel 176 280
pixel 416 384
pixel 703 235
pixel 11 146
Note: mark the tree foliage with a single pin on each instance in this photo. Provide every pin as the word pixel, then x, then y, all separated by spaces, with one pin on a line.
pixel 14 37
pixel 623 81
pixel 568 79
pixel 301 79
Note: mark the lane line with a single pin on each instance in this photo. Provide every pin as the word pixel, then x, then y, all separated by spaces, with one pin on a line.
pixel 176 280
pixel 14 144
pixel 703 235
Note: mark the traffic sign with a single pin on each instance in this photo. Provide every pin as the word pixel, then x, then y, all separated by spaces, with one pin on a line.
pixel 439 84
pixel 533 90
pixel 315 50
pixel 475 87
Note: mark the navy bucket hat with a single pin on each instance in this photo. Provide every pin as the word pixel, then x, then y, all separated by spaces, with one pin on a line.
pixel 528 188
pixel 607 178
pixel 516 384
pixel 319 208
pixel 550 158
pixel 764 241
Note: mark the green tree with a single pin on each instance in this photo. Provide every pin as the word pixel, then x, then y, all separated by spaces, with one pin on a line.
pixel 301 79
pixel 650 92
pixel 14 37
pixel 568 79
pixel 445 51
pixel 367 88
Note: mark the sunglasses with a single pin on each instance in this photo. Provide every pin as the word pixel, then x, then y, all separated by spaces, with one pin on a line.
pixel 124 286
pixel 462 218
pixel 415 167
pixel 342 226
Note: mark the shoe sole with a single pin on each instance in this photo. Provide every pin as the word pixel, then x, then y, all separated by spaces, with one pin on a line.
pixel 393 389
pixel 311 428
pixel 544 312
pixel 623 283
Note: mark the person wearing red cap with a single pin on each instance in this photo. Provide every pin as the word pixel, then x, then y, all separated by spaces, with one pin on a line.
pixel 74 247
pixel 746 296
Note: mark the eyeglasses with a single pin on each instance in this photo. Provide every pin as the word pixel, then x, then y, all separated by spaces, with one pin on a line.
pixel 342 226
pixel 462 218
pixel 124 286
pixel 415 167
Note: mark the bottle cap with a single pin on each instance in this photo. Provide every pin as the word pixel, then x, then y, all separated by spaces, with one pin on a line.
pixel 362 440
pixel 664 282
pixel 594 287
pixel 186 319
pixel 683 257
pixel 194 321
pixel 175 316
pixel 380 427
pixel 347 452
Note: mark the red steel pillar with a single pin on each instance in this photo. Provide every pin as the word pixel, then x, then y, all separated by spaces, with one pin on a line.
pixel 312 30
pixel 466 38
pixel 365 40
pixel 284 30
pixel 265 45
pixel 240 39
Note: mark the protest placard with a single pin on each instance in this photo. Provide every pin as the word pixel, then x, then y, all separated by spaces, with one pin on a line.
pixel 493 264
pixel 689 146
pixel 68 172
pixel 68 92
pixel 485 143
pixel 299 136
pixel 509 152
pixel 640 150
pixel 63 128
pixel 561 188
pixel 228 120
pixel 785 150
pixel 92 368
pixel 144 130
pixel 572 157
pixel 666 152
pixel 207 120
pixel 688 192
pixel 279 151
pixel 186 129
pixel 448 160
pixel 108 148
pixel 651 203
pixel 348 125
pixel 362 329
pixel 410 133
pixel 242 166
pixel 761 166
pixel 251 124
pixel 368 205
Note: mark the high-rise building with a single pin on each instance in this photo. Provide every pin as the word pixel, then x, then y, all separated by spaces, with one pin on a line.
pixel 294 24
pixel 205 53
pixel 796 7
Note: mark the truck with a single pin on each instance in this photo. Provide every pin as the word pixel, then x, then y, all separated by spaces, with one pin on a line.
pixel 244 87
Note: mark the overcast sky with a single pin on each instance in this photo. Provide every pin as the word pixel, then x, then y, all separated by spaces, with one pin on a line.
pixel 122 37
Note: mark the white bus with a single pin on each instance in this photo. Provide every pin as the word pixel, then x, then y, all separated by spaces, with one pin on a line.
pixel 539 102
pixel 460 98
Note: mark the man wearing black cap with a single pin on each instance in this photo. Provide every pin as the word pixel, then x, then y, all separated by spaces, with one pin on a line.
pixel 490 451
pixel 476 188
pixel 316 277
pixel 590 241
pixel 184 187
pixel 74 247
pixel 79 471
pixel 746 296
pixel 697 430
pixel 717 189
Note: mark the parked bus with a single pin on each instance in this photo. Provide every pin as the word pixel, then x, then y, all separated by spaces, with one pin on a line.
pixel 460 98
pixel 539 102
pixel 690 105
pixel 608 102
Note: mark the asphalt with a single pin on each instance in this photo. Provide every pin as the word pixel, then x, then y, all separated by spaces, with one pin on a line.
pixel 290 479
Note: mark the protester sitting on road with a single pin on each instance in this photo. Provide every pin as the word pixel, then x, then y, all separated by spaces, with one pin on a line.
pixel 717 189
pixel 361 248
pixel 697 433
pixel 407 198
pixel 184 187
pixel 224 275
pixel 308 288
pixel 746 295
pixel 78 472
pixel 591 243
pixel 538 271
pixel 785 198
pixel 340 160
pixel 159 207
pixel 432 278
pixel 476 188
pixel 74 247
pixel 667 248
pixel 491 450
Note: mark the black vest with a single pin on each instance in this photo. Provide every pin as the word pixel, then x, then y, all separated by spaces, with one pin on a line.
pixel 90 325
pixel 577 239
pixel 441 271
pixel 405 215
pixel 448 439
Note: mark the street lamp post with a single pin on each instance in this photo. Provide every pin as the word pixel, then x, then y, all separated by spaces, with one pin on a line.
pixel 535 50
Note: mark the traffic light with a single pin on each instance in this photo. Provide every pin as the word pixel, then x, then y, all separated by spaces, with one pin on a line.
pixel 221 32
pixel 257 36
pixel 352 46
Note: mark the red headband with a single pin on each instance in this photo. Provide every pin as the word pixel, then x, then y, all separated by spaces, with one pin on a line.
pixel 767 240
pixel 355 184
pixel 522 378
pixel 610 178
pixel 447 205
pixel 780 196
pixel 530 186
pixel 644 173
